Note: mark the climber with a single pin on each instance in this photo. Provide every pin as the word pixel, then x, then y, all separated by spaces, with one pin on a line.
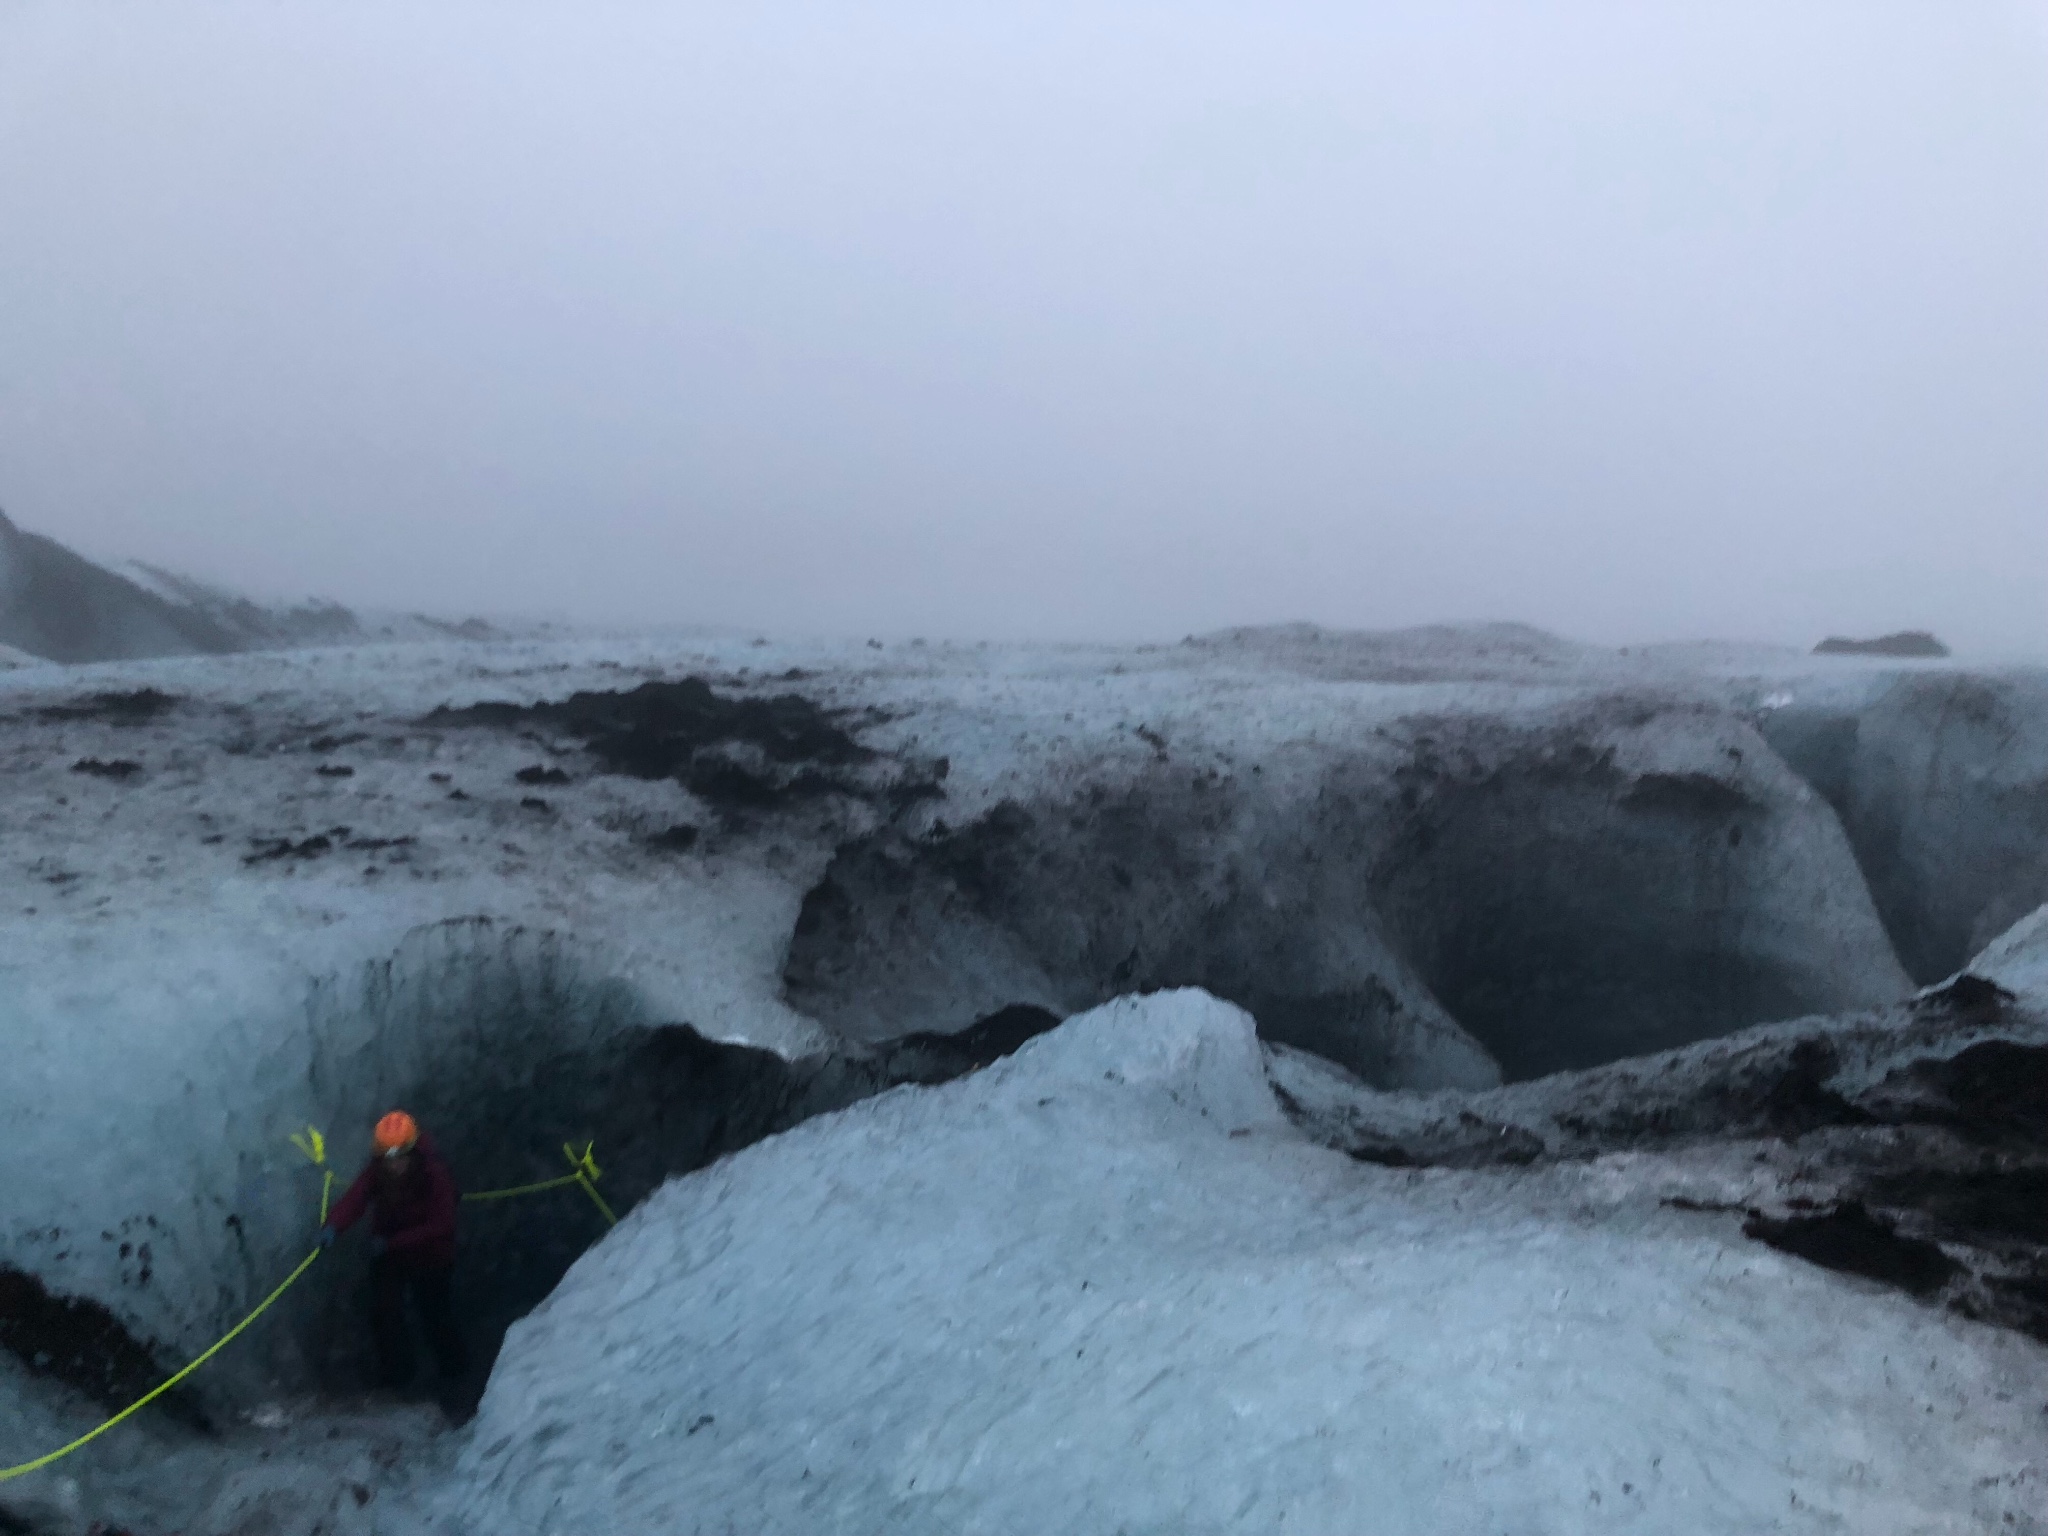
pixel 412 1200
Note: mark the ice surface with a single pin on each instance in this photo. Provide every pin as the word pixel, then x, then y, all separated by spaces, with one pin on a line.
pixel 1103 1286
pixel 1940 778
pixel 2018 958
pixel 177 995
pixel 167 999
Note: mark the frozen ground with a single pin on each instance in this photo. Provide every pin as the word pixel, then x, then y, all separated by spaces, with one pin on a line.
pixel 1437 859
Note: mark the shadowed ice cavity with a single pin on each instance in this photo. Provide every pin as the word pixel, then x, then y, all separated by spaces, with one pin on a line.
pixel 1433 903
pixel 508 1043
pixel 1941 781
pixel 1436 904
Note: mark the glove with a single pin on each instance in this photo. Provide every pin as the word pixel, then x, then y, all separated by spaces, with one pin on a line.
pixel 377 1247
pixel 326 1238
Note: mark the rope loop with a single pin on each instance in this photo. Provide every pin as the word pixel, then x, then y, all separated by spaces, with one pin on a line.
pixel 583 1172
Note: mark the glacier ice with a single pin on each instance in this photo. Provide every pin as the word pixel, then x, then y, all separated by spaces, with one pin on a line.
pixel 1105 1286
pixel 1370 844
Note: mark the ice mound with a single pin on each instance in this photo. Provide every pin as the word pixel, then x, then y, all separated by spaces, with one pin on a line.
pixel 2018 958
pixel 1104 1286
pixel 1423 653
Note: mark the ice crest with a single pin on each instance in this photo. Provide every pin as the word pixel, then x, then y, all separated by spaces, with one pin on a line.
pixel 1185 1046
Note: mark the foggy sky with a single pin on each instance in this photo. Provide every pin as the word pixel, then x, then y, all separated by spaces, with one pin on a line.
pixel 1631 320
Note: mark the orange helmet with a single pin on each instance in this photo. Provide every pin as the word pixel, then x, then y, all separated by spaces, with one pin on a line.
pixel 395 1134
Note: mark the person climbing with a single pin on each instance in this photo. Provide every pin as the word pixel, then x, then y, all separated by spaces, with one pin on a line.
pixel 411 1198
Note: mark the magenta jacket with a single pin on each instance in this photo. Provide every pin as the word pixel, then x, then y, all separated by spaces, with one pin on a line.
pixel 417 1220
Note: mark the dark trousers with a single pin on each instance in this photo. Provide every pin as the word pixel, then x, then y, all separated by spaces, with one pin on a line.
pixel 389 1281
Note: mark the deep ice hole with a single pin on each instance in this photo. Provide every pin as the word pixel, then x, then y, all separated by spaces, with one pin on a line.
pixel 506 1043
pixel 1439 906
pixel 1476 901
pixel 1941 781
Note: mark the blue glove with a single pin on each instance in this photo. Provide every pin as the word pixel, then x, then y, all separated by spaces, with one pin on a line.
pixel 326 1238
pixel 377 1247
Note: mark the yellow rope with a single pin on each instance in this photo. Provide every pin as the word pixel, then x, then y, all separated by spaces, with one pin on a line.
pixel 586 1172
pixel 583 1171
pixel 591 1190
pixel 524 1189
pixel 314 1145
pixel 143 1402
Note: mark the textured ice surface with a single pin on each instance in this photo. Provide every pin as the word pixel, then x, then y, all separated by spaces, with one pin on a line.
pixel 177 994
pixel 1103 1286
pixel 1941 781
pixel 2018 959
pixel 171 982
pixel 185 944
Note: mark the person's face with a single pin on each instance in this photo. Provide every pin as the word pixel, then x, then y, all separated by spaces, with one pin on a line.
pixel 396 1168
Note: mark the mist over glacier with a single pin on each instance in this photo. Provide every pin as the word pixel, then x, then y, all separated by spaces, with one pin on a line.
pixel 1070 324
pixel 1008 720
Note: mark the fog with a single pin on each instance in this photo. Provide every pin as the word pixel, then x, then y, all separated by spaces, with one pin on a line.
pixel 1630 321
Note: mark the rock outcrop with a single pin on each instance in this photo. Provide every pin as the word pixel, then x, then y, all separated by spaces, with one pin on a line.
pixel 1909 643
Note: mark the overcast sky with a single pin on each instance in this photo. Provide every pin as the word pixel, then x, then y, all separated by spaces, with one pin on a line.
pixel 1631 320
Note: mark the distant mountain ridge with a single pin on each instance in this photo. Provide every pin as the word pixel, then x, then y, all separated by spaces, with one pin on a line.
pixel 57 605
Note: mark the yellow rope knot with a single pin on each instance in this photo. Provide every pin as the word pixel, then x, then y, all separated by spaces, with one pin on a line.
pixel 583 1171
pixel 314 1145
pixel 583 1168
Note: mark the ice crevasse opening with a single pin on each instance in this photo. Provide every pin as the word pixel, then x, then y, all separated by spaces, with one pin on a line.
pixel 160 1185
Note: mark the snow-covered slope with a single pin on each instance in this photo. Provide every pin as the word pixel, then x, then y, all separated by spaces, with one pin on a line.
pixel 1104 1286
pixel 57 605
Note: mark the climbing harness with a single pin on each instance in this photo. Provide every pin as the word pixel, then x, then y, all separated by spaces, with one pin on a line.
pixel 583 1171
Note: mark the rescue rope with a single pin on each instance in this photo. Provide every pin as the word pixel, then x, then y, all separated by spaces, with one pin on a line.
pixel 314 1145
pixel 521 1189
pixel 143 1402
pixel 583 1170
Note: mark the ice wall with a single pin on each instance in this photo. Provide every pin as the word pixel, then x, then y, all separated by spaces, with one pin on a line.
pixel 1429 903
pixel 1941 780
pixel 153 1159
